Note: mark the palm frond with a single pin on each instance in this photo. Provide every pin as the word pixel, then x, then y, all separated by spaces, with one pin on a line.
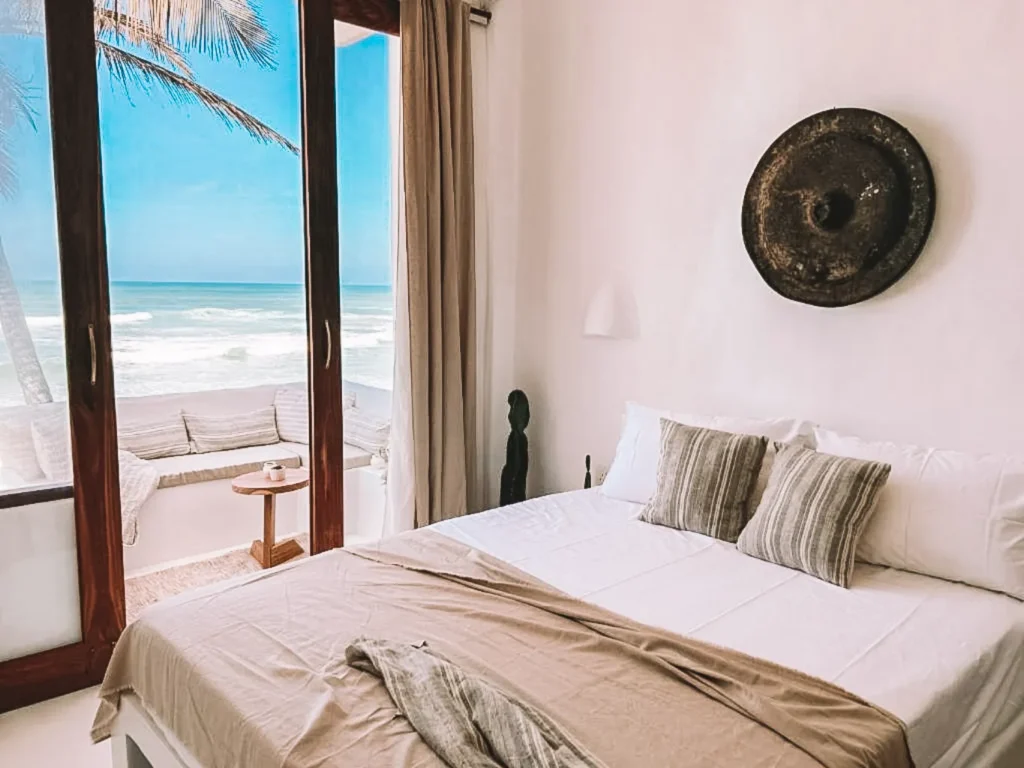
pixel 8 171
pixel 15 105
pixel 21 17
pixel 115 26
pixel 217 28
pixel 130 69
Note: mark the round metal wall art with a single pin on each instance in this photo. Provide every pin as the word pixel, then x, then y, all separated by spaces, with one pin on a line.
pixel 839 208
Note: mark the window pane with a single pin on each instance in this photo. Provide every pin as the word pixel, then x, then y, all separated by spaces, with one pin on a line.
pixel 367 93
pixel 38 562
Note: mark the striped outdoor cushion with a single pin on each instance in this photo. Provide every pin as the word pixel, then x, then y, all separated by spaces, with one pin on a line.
pixel 814 511
pixel 292 406
pixel 705 479
pixel 366 431
pixel 226 432
pixel 154 438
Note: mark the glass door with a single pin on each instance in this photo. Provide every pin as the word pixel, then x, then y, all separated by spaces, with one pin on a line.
pixel 60 595
pixel 367 66
pixel 203 148
pixel 63 526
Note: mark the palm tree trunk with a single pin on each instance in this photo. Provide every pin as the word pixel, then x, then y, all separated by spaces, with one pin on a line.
pixel 19 341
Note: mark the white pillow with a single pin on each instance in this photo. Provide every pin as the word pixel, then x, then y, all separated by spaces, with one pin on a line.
pixel 952 515
pixel 634 472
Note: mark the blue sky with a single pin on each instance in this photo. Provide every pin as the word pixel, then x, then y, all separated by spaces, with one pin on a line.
pixel 189 200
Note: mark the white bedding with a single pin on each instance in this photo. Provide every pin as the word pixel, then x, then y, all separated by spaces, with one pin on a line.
pixel 943 657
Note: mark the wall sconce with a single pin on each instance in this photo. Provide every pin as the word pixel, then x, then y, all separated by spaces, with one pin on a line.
pixel 611 314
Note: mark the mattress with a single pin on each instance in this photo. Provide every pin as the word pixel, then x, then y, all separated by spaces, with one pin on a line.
pixel 945 658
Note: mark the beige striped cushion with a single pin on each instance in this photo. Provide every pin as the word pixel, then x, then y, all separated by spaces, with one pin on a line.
pixel 240 430
pixel 292 406
pixel 367 431
pixel 814 511
pixel 705 479
pixel 154 438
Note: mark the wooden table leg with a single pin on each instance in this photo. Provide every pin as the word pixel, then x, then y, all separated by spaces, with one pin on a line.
pixel 269 529
pixel 267 553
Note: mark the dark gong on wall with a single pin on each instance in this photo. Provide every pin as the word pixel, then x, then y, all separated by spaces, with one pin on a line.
pixel 839 208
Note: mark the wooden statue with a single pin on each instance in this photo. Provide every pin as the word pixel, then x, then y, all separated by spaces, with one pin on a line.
pixel 517 453
pixel 587 482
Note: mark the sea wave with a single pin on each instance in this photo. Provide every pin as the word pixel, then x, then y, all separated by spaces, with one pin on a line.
pixel 242 315
pixel 186 349
pixel 367 340
pixel 56 321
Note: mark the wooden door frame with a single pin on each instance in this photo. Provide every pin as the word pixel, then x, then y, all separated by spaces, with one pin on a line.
pixel 378 15
pixel 75 127
pixel 323 274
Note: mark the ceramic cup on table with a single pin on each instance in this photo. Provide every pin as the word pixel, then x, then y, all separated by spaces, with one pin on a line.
pixel 267 466
pixel 277 473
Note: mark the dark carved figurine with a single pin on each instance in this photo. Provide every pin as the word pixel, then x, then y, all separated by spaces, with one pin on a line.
pixel 587 482
pixel 517 453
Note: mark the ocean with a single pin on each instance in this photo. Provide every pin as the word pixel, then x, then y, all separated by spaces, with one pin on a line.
pixel 186 337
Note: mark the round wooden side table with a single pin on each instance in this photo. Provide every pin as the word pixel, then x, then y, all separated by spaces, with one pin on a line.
pixel 269 553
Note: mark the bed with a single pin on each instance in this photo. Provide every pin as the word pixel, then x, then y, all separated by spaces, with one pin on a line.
pixel 944 658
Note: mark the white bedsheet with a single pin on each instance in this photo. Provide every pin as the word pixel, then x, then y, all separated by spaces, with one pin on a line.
pixel 945 658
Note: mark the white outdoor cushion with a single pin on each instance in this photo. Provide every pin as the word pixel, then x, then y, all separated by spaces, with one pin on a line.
pixel 221 465
pixel 224 432
pixel 943 513
pixel 51 436
pixel 154 438
pixel 17 451
pixel 634 472
pixel 354 457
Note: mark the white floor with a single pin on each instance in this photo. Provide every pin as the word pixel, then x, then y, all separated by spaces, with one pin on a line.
pixel 54 733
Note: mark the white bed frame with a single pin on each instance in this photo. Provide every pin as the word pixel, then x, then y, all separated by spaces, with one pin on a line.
pixel 137 740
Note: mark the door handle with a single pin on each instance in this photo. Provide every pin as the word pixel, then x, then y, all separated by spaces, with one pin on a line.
pixel 92 353
pixel 330 344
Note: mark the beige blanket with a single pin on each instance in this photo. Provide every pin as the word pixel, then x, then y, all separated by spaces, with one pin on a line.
pixel 254 674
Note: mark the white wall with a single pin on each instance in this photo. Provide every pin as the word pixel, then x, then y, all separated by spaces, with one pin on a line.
pixel 498 107
pixel 636 127
pixel 39 604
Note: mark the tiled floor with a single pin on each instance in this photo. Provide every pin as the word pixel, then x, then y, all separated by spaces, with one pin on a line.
pixel 54 733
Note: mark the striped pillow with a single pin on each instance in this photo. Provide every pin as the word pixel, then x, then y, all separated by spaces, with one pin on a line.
pixel 814 511
pixel 292 406
pixel 368 432
pixel 705 479
pixel 226 432
pixel 154 439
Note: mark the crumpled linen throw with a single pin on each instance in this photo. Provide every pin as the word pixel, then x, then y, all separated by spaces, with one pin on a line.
pixel 467 721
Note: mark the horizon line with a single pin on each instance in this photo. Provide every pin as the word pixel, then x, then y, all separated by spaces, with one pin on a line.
pixel 212 282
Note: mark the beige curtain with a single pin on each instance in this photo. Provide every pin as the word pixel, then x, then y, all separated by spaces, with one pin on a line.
pixel 437 113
